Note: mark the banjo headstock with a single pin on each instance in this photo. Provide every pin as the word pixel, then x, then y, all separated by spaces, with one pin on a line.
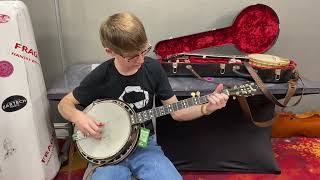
pixel 246 90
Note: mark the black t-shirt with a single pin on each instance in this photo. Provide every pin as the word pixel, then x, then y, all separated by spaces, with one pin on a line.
pixel 105 82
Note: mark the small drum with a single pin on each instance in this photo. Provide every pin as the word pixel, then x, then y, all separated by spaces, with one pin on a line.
pixel 267 61
pixel 119 135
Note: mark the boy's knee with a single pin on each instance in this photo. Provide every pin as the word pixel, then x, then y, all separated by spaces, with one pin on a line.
pixel 111 172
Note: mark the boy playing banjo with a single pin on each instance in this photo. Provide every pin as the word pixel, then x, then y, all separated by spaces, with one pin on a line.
pixel 133 78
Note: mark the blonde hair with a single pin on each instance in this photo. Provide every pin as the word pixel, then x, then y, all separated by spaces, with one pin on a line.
pixel 123 33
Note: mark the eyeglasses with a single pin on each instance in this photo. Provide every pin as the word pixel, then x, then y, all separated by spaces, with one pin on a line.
pixel 144 52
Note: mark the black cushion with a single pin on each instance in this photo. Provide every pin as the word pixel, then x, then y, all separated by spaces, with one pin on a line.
pixel 223 141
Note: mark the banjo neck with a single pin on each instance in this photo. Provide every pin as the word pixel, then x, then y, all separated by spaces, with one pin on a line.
pixel 146 115
pixel 262 60
pixel 187 55
pixel 143 116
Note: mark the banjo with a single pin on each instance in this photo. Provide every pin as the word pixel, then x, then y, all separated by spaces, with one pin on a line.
pixel 258 60
pixel 120 136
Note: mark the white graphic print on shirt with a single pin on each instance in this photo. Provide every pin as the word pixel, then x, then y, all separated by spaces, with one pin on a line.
pixel 136 89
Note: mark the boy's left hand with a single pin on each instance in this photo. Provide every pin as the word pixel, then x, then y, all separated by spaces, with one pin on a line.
pixel 217 100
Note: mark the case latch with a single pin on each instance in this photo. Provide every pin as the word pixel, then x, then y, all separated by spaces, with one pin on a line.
pixel 277 74
pixel 222 68
pixel 175 66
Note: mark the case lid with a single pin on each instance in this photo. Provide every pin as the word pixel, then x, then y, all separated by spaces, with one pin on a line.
pixel 254 30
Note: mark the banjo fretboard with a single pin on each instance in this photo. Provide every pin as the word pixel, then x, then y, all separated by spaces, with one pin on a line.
pixel 167 109
pixel 143 116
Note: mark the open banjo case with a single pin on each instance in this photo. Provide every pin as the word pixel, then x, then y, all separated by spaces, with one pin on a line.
pixel 254 30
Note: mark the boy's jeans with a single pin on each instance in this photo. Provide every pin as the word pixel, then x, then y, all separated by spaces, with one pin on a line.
pixel 144 163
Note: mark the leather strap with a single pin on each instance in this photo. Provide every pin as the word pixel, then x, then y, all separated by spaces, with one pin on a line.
pixel 291 88
pixel 248 115
pixel 292 85
pixel 243 101
pixel 189 67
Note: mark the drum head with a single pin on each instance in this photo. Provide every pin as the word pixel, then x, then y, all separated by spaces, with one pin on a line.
pixel 266 60
pixel 115 134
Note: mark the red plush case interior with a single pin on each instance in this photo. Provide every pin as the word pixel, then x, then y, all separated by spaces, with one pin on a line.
pixel 254 30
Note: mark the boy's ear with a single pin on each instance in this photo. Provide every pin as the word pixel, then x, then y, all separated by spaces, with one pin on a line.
pixel 109 51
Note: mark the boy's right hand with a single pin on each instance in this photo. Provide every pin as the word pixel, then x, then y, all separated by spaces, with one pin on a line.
pixel 88 126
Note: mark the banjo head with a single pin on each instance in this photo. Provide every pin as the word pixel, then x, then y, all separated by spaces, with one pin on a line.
pixel 268 61
pixel 115 134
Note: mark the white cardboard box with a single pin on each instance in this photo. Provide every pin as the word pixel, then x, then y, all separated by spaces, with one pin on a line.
pixel 28 148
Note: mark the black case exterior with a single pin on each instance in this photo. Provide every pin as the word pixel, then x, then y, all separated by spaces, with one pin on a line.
pixel 227 70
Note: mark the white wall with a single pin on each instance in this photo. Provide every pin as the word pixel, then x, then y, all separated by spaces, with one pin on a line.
pixel 43 19
pixel 298 39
